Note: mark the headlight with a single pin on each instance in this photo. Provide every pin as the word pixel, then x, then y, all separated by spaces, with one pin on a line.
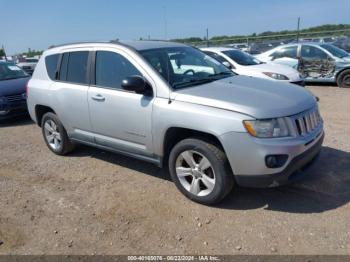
pixel 276 76
pixel 267 128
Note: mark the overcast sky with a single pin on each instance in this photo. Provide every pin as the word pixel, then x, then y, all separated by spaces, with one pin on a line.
pixel 38 24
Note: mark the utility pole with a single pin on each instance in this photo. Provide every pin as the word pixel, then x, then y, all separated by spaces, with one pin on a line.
pixel 3 49
pixel 298 28
pixel 207 37
pixel 165 24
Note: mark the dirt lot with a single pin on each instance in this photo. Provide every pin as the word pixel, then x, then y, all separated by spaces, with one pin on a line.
pixel 94 202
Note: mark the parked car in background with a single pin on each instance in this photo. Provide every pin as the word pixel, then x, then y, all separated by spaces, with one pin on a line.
pixel 316 62
pixel 28 64
pixel 260 47
pixel 170 104
pixel 343 43
pixel 245 64
pixel 13 81
pixel 240 46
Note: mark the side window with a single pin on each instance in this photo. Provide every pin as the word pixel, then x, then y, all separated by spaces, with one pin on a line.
pixel 216 56
pixel 289 51
pixel 51 62
pixel 312 52
pixel 111 69
pixel 77 67
pixel 64 67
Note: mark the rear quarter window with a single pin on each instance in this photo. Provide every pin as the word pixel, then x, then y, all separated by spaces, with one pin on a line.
pixel 51 62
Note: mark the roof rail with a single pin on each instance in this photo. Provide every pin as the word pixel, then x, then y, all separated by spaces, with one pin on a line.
pixel 83 42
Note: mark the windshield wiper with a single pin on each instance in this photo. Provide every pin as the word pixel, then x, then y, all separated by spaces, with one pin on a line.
pixel 221 74
pixel 193 82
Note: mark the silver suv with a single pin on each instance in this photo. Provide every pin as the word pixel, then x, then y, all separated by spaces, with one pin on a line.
pixel 171 104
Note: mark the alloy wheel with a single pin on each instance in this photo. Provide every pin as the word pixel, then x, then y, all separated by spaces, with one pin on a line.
pixel 52 134
pixel 195 173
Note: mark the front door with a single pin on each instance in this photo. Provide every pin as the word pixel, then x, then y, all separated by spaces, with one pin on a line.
pixel 120 119
pixel 315 63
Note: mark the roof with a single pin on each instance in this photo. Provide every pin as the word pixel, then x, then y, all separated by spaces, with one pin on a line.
pixel 304 43
pixel 143 45
pixel 135 44
pixel 218 49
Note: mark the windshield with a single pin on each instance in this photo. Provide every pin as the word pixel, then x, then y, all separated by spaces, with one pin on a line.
pixel 242 58
pixel 337 52
pixel 185 66
pixel 10 71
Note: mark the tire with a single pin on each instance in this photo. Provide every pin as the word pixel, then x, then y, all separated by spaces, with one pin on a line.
pixel 51 125
pixel 343 79
pixel 204 185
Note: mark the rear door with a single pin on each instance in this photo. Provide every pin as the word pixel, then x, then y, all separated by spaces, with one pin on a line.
pixel 70 94
pixel 121 119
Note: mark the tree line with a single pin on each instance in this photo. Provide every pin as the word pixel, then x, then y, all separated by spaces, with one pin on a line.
pixel 321 28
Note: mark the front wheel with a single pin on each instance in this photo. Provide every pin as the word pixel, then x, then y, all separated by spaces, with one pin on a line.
pixel 343 79
pixel 200 171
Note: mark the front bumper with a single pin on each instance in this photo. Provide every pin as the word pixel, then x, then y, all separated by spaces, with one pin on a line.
pixel 294 170
pixel 247 157
pixel 10 110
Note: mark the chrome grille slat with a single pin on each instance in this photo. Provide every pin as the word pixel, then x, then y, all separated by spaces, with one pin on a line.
pixel 306 122
pixel 302 125
pixel 313 118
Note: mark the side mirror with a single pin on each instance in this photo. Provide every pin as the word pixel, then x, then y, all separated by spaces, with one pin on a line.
pixel 227 64
pixel 137 84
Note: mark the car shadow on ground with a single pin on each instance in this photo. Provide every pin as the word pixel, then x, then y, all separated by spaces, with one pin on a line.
pixel 123 161
pixel 325 186
pixel 16 121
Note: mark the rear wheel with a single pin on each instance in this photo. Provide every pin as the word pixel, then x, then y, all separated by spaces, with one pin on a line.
pixel 55 135
pixel 200 171
pixel 343 79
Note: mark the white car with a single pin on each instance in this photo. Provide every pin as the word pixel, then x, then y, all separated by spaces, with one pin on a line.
pixel 28 64
pixel 316 62
pixel 245 64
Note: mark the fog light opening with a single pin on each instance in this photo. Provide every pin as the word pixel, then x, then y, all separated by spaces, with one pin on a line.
pixel 275 161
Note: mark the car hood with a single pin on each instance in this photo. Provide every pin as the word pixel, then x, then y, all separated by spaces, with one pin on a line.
pixel 256 97
pixel 290 72
pixel 13 86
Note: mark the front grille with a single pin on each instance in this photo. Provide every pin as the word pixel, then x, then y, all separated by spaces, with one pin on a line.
pixel 14 98
pixel 307 122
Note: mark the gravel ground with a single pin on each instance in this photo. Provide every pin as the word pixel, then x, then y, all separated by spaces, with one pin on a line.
pixel 94 202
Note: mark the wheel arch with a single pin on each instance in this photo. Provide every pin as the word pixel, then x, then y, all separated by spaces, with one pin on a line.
pixel 173 135
pixel 340 71
pixel 40 111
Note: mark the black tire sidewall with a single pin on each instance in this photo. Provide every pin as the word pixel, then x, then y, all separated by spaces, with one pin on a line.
pixel 340 78
pixel 63 147
pixel 224 178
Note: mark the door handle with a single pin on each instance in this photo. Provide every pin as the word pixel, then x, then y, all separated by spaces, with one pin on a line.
pixel 98 97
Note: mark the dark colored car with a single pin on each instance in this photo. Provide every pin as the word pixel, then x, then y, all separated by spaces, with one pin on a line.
pixel 13 100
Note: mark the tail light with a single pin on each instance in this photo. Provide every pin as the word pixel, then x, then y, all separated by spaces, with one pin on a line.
pixel 27 88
